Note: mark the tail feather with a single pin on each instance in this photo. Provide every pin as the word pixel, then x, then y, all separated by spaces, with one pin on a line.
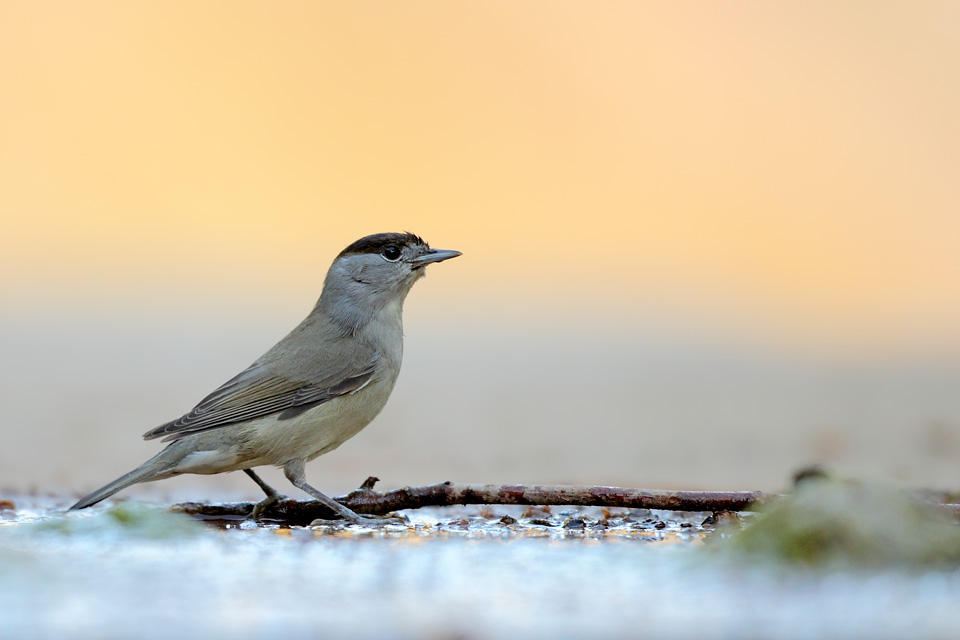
pixel 144 473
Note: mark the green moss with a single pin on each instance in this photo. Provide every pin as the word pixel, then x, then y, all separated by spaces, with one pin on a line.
pixel 827 522
pixel 128 519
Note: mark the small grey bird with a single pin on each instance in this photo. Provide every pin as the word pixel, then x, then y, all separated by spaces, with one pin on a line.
pixel 312 391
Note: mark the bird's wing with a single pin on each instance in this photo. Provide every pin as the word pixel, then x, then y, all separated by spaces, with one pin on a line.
pixel 257 392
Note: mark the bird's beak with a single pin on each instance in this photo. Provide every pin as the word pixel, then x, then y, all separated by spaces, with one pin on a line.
pixel 434 255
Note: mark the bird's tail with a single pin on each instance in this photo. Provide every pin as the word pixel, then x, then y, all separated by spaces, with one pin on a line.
pixel 153 469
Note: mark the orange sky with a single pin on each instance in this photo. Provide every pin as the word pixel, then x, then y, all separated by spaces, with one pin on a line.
pixel 792 167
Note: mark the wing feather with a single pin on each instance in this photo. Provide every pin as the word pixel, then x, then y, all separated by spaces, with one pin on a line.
pixel 257 392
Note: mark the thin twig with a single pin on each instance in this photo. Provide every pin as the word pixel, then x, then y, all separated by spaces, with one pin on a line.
pixel 367 501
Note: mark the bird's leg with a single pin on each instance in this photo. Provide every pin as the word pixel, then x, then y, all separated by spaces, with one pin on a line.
pixel 272 495
pixel 296 475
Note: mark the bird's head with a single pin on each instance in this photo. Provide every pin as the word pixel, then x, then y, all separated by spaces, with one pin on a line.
pixel 377 271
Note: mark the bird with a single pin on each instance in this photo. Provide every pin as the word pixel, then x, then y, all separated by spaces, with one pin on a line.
pixel 312 391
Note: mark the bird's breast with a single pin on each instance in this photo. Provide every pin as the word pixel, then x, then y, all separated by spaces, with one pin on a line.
pixel 322 428
pixel 326 426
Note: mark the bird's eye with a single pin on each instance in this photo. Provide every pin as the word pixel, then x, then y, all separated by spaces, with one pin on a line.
pixel 391 253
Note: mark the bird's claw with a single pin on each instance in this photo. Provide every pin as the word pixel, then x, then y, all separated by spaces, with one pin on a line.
pixel 363 521
pixel 263 505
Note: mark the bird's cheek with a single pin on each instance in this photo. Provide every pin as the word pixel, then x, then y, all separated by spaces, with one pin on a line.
pixel 359 276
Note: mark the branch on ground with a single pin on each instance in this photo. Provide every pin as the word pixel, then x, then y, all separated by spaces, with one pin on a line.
pixel 367 501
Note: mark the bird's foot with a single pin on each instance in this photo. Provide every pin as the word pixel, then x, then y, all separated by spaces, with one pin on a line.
pixel 387 518
pixel 263 505
pixel 367 520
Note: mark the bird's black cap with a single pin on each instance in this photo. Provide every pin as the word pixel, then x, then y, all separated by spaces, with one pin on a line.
pixel 379 241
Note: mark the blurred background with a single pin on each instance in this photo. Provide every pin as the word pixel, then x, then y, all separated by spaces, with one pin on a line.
pixel 703 244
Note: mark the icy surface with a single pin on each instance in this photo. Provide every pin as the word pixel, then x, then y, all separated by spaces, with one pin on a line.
pixel 458 572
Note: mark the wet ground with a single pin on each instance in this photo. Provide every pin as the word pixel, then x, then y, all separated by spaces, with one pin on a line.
pixel 138 571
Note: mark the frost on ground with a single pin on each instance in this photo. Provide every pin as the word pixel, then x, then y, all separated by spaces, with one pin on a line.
pixel 490 572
